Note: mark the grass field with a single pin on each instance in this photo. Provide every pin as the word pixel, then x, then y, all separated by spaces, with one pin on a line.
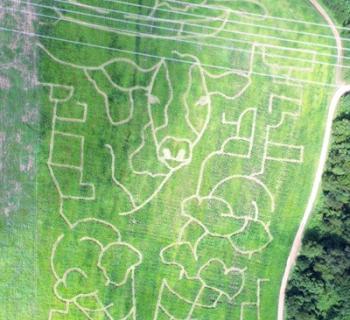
pixel 169 188
pixel 19 114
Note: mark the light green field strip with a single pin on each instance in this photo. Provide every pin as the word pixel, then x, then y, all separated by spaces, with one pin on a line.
pixel 19 116
pixel 169 190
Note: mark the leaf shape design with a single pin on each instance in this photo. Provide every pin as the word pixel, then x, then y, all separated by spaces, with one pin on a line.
pixel 117 260
pixel 216 276
pixel 255 237
pixel 73 283
pixel 215 215
pixel 182 255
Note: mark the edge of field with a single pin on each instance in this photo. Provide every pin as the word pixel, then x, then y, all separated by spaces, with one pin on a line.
pixel 314 196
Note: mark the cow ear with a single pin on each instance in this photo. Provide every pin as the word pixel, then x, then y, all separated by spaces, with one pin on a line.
pixel 229 85
pixel 126 74
pixel 197 99
pixel 161 87
pixel 160 94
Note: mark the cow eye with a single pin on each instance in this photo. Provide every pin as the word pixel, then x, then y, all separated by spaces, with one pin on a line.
pixel 203 101
pixel 153 99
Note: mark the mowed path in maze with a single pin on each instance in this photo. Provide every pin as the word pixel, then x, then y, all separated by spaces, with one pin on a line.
pixel 177 154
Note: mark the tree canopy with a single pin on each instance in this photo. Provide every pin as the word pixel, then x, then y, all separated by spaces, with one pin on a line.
pixel 319 288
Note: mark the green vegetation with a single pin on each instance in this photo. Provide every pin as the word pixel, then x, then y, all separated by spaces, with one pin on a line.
pixel 18 142
pixel 168 188
pixel 158 154
pixel 340 10
pixel 319 286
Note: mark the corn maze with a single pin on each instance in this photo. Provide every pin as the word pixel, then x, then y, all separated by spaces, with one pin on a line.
pixel 178 154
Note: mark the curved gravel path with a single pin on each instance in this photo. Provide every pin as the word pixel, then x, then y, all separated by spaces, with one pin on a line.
pixel 341 90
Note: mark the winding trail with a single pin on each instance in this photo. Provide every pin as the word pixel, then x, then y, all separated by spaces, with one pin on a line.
pixel 341 90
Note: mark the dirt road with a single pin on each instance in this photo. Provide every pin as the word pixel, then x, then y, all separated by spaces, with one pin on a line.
pixel 340 91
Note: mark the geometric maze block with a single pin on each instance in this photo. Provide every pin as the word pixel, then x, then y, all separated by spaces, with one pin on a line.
pixel 71 111
pixel 285 152
pixel 67 149
pixel 69 183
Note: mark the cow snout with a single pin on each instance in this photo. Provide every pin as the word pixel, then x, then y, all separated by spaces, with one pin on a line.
pixel 174 152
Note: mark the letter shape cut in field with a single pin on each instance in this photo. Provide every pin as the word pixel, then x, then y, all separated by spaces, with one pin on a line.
pixel 196 166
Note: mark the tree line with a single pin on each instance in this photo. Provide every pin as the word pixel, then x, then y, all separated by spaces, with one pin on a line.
pixel 319 288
